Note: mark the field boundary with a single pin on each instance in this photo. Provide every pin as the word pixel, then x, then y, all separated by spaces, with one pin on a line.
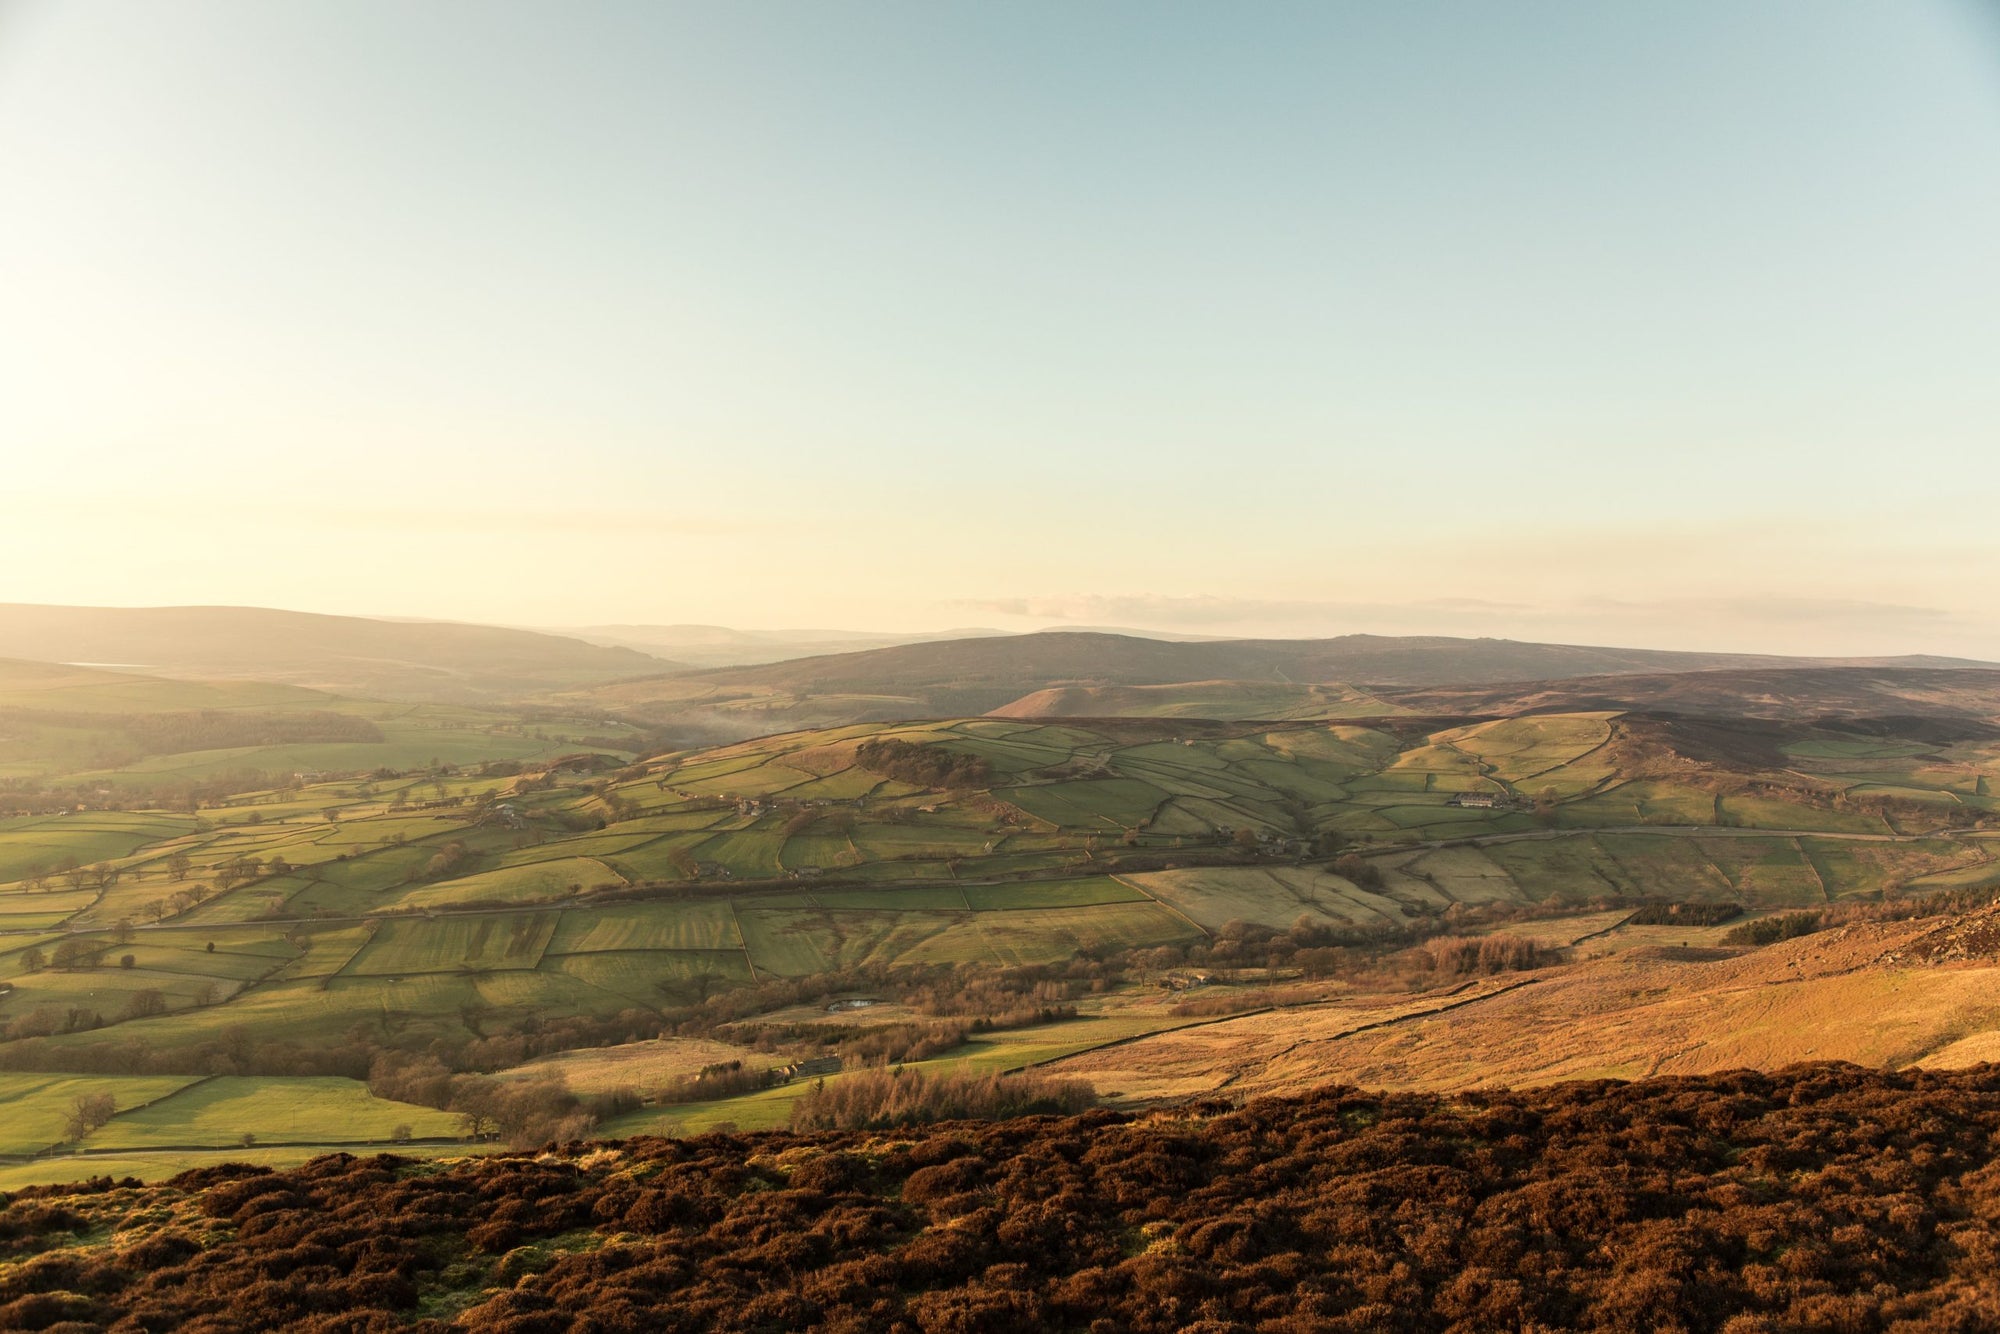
pixel 1372 1025
pixel 1141 1037
pixel 224 1149
pixel 1206 934
pixel 1593 935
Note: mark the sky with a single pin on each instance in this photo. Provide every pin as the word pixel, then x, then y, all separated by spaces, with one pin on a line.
pixel 1673 325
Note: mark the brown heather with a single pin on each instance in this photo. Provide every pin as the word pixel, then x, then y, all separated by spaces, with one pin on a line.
pixel 1822 1197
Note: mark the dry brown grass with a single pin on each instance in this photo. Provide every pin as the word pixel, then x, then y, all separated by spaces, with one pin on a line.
pixel 1654 1008
pixel 638 1065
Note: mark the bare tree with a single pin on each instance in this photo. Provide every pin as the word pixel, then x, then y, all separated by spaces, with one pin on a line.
pixel 88 1112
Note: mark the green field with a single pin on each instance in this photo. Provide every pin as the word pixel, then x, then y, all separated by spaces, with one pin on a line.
pixel 33 1107
pixel 455 944
pixel 220 1112
pixel 1050 894
pixel 534 882
pixel 160 1165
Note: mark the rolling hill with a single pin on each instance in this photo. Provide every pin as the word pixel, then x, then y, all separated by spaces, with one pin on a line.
pixel 1045 879
pixel 71 733
pixel 411 883
pixel 1071 673
pixel 1799 692
pixel 988 672
pixel 709 646
pixel 414 660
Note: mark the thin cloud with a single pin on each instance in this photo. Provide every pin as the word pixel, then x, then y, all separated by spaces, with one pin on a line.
pixel 1791 611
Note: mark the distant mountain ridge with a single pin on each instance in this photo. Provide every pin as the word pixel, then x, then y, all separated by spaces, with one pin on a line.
pixel 1049 673
pixel 1081 673
pixel 984 669
pixel 711 646
pixel 437 661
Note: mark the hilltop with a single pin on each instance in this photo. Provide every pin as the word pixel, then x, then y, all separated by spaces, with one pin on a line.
pixel 435 661
pixel 710 646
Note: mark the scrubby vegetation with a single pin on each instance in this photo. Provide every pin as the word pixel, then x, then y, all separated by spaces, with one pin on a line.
pixel 519 1112
pixel 1815 1198
pixel 1790 925
pixel 1778 926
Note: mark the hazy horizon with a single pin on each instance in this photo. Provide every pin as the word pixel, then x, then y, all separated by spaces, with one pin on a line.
pixel 1667 328
pixel 820 640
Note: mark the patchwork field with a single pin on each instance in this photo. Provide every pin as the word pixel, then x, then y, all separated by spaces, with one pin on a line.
pixel 177 924
pixel 508 906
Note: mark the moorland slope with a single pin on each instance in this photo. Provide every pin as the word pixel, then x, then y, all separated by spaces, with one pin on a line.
pixel 1819 1197
pixel 1631 1000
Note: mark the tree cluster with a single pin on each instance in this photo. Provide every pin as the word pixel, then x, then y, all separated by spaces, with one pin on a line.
pixel 1459 956
pixel 1804 922
pixel 888 1098
pixel 1663 913
pixel 921 765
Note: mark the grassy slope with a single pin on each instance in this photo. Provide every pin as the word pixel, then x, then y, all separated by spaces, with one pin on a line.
pixel 1063 804
pixel 1638 1001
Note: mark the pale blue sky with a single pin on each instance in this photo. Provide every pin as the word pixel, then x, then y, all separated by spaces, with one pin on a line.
pixel 1641 323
